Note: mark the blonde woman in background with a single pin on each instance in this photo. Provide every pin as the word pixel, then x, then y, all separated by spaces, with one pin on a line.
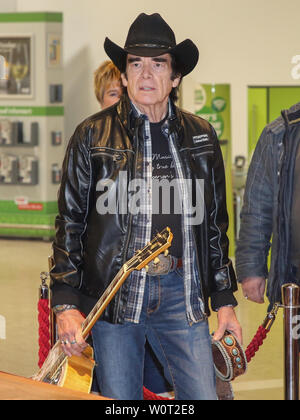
pixel 107 84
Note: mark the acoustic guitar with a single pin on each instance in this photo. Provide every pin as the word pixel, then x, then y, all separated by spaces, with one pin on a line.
pixel 76 372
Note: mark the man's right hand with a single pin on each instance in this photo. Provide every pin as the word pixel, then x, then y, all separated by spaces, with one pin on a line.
pixel 69 328
pixel 254 288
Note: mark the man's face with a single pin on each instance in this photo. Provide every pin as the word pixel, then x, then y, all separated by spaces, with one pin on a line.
pixel 149 80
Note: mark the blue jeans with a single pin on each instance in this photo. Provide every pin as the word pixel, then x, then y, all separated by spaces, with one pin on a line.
pixel 183 350
pixel 154 377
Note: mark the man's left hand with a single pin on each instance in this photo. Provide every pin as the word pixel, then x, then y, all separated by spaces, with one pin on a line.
pixel 227 321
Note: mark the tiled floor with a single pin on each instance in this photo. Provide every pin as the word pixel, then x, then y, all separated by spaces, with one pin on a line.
pixel 21 262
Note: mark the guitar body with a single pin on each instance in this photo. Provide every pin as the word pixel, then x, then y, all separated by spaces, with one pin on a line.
pixel 77 372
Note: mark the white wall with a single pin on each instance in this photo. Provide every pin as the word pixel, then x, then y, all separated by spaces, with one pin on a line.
pixel 241 42
pixel 8 6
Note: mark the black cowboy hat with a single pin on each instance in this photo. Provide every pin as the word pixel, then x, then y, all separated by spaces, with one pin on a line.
pixel 151 36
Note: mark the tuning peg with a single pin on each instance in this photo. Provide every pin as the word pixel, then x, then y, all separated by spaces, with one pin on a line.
pixel 147 268
pixel 156 260
pixel 166 253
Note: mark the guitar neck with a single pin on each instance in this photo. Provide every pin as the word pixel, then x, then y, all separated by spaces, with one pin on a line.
pixel 104 300
pixel 160 243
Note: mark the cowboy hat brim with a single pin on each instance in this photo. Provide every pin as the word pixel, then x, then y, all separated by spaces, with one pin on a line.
pixel 186 54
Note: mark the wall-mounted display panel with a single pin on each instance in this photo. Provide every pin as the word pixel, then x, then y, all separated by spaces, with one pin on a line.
pixel 18 53
pixel 31 123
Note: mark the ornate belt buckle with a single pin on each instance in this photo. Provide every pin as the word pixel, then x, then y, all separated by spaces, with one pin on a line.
pixel 160 268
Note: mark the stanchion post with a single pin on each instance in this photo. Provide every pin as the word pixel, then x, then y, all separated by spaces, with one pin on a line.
pixel 290 299
pixel 52 315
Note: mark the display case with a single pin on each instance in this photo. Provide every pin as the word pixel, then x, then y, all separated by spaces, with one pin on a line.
pixel 31 123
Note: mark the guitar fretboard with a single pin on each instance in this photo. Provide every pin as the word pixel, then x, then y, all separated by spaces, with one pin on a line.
pixel 102 303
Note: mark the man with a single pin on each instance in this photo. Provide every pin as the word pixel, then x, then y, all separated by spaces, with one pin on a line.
pixel 108 90
pixel 271 208
pixel 146 138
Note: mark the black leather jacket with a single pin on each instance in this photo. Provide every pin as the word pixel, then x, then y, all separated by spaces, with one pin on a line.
pixel 89 249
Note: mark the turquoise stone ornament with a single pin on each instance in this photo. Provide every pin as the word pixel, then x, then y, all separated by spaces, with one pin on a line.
pixel 228 341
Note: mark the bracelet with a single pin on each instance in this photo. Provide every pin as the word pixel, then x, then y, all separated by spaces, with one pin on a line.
pixel 229 357
pixel 61 308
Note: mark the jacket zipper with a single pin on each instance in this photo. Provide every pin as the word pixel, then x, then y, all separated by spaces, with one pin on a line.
pixel 200 280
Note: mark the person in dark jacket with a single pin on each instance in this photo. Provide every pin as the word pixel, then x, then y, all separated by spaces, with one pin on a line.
pixel 109 207
pixel 108 90
pixel 271 210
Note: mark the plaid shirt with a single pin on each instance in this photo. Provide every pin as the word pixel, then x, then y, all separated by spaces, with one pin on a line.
pixel 141 233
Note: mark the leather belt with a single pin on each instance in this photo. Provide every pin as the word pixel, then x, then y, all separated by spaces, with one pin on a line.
pixel 165 265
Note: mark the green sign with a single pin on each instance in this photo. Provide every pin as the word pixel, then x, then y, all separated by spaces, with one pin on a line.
pixel 31 17
pixel 212 102
pixel 36 111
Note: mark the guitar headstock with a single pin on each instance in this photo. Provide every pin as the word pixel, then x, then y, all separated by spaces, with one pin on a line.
pixel 160 243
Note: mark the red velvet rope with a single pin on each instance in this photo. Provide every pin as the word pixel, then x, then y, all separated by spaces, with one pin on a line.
pixel 256 342
pixel 44 330
pixel 148 395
